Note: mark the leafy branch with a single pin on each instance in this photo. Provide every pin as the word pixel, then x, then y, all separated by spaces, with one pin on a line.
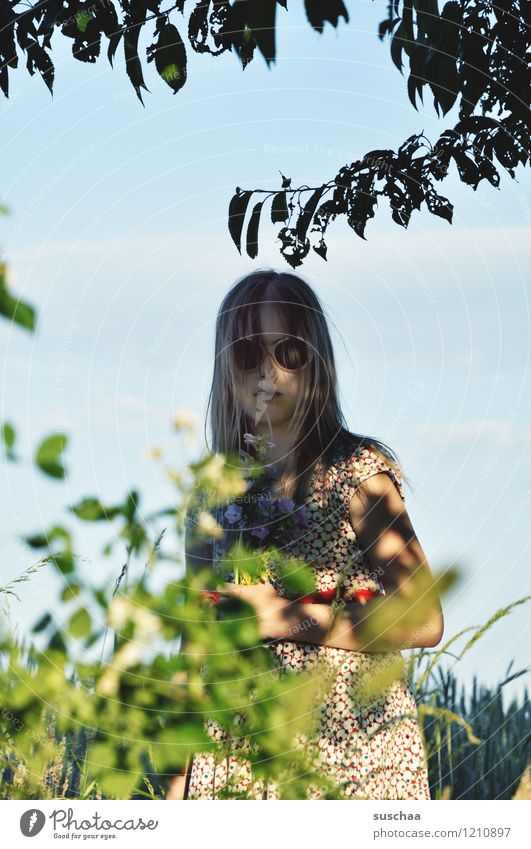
pixel 475 50
pixel 472 51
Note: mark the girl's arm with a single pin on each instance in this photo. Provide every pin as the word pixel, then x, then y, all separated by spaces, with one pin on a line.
pixel 384 529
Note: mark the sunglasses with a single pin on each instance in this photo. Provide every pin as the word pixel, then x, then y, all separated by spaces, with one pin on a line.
pixel 290 353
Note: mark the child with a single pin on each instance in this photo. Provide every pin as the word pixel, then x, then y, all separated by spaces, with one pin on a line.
pixel 275 380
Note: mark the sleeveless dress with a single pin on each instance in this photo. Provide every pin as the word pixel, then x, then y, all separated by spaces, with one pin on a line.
pixel 371 750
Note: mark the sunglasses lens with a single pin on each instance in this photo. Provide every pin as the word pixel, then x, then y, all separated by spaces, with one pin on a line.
pixel 246 354
pixel 292 353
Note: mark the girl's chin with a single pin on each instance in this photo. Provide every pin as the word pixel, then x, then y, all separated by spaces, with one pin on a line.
pixel 277 417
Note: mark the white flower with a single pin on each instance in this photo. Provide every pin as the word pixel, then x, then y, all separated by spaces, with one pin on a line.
pixel 187 422
pixel 127 655
pixel 206 524
pixel 148 623
pixel 226 481
pixel 261 443
pixel 108 683
pixel 250 438
pixel 155 452
pixel 120 611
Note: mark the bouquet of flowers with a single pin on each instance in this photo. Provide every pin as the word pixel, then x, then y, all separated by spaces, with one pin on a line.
pixel 258 522
pixel 259 529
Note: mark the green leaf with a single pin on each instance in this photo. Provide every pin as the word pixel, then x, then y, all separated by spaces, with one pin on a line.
pixel 135 535
pixel 132 61
pixel 296 577
pixel 42 623
pixel 237 209
pixel 39 59
pixel 261 20
pixel 37 541
pixel 69 592
pixel 101 755
pixel 242 560
pixel 318 13
pixel 172 746
pixel 442 76
pixel 169 54
pixel 321 249
pixel 252 230
pixel 439 205
pixel 48 455
pixel 9 436
pixel 396 46
pixel 64 560
pixel 92 510
pixel 57 643
pixel 101 597
pixel 83 19
pixel 308 212
pixel 131 504
pixel 80 623
pixel 238 623
pixel 44 540
pixel 13 308
pixel 119 785
pixel 279 208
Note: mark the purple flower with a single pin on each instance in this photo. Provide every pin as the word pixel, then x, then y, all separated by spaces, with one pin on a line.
pixel 263 506
pixel 260 532
pixel 303 515
pixel 233 513
pixel 285 505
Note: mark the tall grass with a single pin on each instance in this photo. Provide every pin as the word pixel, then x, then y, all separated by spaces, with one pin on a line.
pixel 477 748
pixel 487 763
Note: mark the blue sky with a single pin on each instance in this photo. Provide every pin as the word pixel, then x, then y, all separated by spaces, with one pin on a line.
pixel 117 234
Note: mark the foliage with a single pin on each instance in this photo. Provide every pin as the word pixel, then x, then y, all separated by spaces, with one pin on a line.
pixel 475 52
pixel 85 716
pixel 213 26
pixel 470 52
pixel 12 307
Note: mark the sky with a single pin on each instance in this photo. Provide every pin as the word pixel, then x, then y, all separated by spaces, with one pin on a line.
pixel 117 234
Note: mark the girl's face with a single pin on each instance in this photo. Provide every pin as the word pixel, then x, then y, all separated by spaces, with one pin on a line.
pixel 268 385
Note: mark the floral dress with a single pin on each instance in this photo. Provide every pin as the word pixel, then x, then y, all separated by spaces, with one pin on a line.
pixel 371 750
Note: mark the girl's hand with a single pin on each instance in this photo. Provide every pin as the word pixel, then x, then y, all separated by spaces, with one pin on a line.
pixel 271 608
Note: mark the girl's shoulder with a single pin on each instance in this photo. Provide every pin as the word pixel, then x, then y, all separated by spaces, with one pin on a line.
pixel 352 465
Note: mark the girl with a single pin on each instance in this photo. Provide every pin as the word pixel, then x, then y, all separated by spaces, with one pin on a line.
pixel 275 377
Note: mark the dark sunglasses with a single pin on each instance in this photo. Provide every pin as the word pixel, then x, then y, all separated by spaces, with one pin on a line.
pixel 289 353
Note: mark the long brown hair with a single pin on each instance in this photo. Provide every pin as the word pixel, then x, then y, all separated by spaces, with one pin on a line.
pixel 321 430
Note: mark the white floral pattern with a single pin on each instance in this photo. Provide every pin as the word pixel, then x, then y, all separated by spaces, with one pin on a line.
pixel 371 750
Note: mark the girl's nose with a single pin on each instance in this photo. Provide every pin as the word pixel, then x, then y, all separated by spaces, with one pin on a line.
pixel 264 365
